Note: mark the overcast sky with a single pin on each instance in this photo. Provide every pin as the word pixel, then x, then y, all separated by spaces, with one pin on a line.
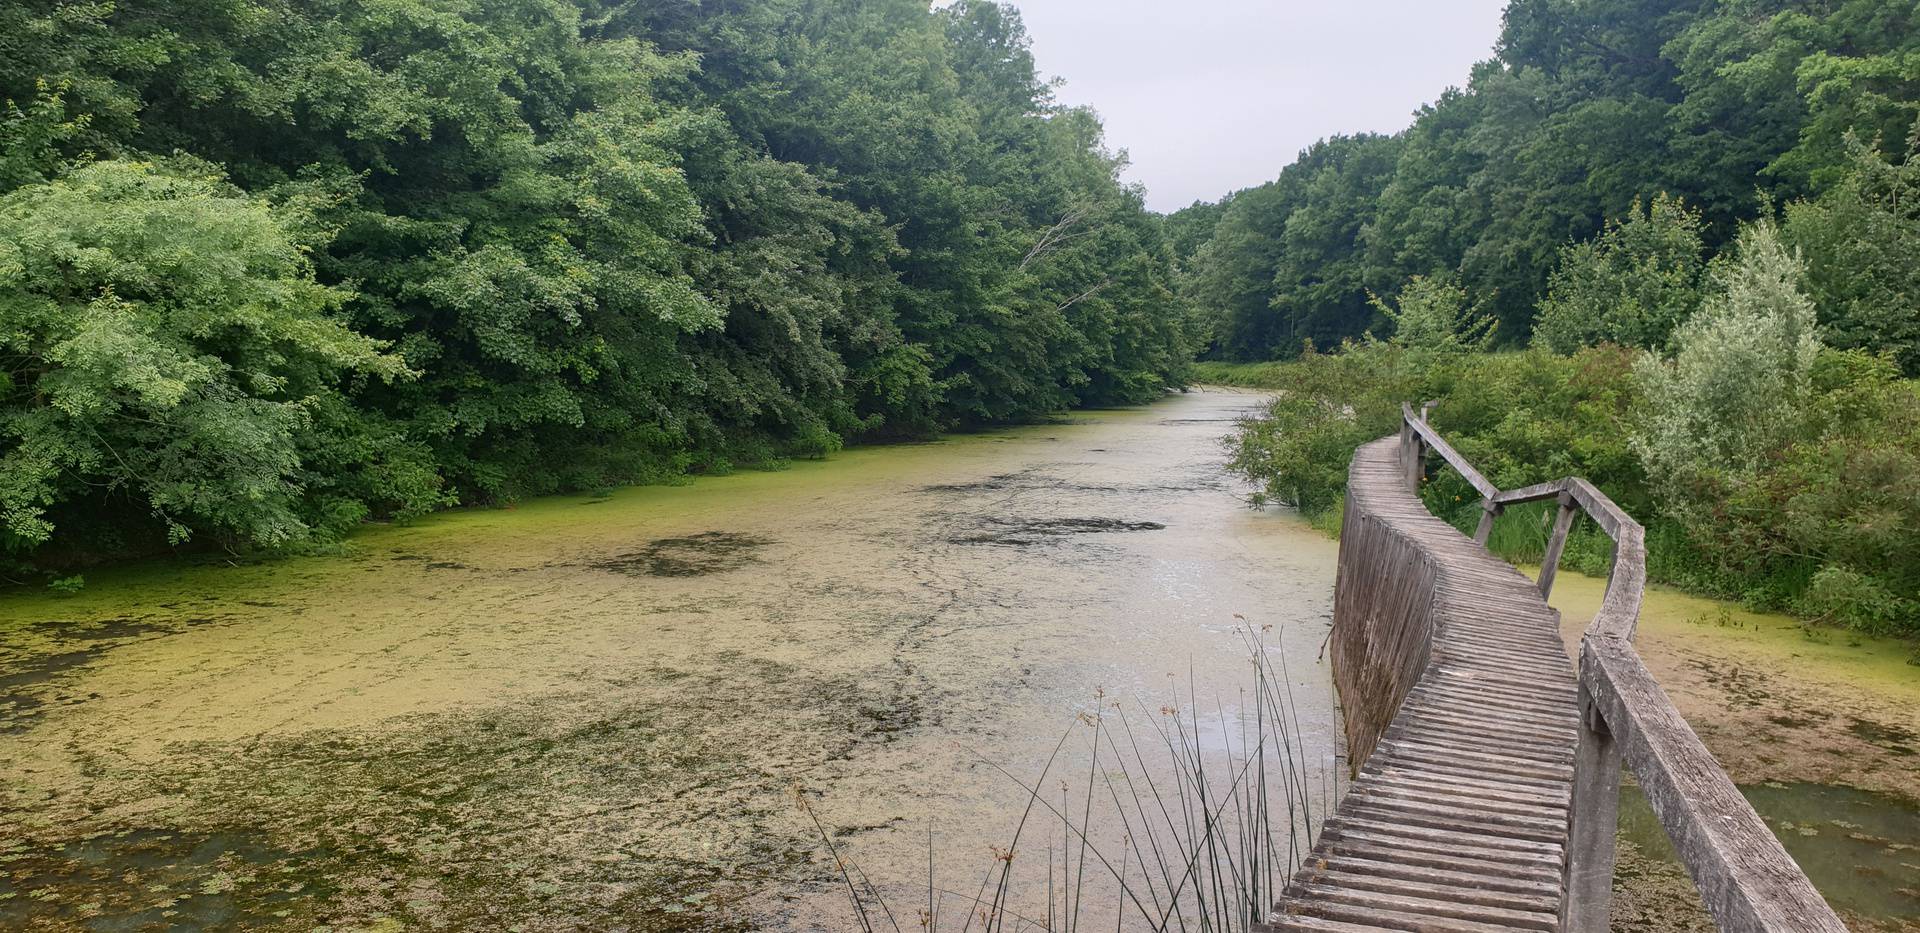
pixel 1209 96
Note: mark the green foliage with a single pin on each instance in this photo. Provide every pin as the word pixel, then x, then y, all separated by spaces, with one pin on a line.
pixel 1434 317
pixel 1632 285
pixel 1522 417
pixel 1836 515
pixel 1766 467
pixel 166 342
pixel 523 246
pixel 1860 241
pixel 1324 406
pixel 1283 266
pixel 1587 110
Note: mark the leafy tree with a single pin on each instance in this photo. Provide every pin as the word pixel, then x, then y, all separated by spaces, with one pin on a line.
pixel 618 242
pixel 1740 375
pixel 1191 227
pixel 1858 78
pixel 1320 280
pixel 1861 240
pixel 1232 275
pixel 1632 285
pixel 1586 110
pixel 1285 266
pixel 169 353
pixel 1434 316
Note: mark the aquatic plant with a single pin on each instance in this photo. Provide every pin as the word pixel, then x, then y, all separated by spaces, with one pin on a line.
pixel 1168 828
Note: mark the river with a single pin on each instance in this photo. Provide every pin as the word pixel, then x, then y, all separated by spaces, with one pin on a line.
pixel 600 711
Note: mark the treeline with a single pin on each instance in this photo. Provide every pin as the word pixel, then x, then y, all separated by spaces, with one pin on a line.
pixel 1713 112
pixel 1692 234
pixel 269 269
pixel 1767 467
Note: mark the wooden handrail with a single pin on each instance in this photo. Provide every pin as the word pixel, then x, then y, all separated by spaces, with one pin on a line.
pixel 1746 878
pixel 1417 423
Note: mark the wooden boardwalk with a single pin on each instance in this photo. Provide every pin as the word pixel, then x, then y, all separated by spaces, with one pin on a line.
pixel 1458 820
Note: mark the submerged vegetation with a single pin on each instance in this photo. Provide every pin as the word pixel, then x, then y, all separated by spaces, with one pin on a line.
pixel 268 270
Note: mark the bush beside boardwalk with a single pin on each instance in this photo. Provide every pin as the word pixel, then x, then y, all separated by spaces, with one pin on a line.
pixel 1767 466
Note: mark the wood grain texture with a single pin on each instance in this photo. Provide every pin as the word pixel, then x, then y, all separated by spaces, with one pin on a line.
pixel 1460 708
pixel 1488 773
pixel 1746 879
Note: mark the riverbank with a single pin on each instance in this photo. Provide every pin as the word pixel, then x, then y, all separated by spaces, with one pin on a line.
pixel 1820 727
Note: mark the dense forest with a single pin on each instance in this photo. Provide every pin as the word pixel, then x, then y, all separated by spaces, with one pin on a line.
pixel 1670 246
pixel 268 269
pixel 1587 116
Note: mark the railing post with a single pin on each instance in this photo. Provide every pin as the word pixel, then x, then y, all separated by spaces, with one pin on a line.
pixel 1556 543
pixel 1489 510
pixel 1413 456
pixel 1593 822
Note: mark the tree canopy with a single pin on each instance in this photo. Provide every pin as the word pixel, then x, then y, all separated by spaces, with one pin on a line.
pixel 267 269
pixel 1589 117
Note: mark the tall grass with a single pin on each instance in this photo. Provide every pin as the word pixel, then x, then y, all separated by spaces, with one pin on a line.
pixel 1187 818
pixel 1240 375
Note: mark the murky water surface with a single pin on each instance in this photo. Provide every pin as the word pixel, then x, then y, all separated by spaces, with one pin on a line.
pixel 1861 849
pixel 594 711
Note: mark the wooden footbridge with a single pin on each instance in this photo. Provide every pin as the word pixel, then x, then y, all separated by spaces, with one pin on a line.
pixel 1490 767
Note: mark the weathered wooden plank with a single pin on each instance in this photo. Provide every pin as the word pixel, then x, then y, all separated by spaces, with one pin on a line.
pixel 1499 875
pixel 1318 925
pixel 1416 795
pixel 1463 822
pixel 1746 878
pixel 1470 893
pixel 1406 775
pixel 1341 830
pixel 1407 905
pixel 1490 878
pixel 1473 769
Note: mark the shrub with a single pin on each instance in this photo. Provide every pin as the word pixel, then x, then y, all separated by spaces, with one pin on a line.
pixel 1435 316
pixel 1632 286
pixel 168 344
pixel 1735 388
pixel 1326 405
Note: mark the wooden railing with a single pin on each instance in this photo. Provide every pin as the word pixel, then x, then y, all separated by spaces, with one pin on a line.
pixel 1746 879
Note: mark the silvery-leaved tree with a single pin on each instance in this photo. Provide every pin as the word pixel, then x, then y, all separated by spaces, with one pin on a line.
pixel 1737 384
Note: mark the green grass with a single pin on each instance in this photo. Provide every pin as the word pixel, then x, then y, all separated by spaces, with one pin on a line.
pixel 1238 375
